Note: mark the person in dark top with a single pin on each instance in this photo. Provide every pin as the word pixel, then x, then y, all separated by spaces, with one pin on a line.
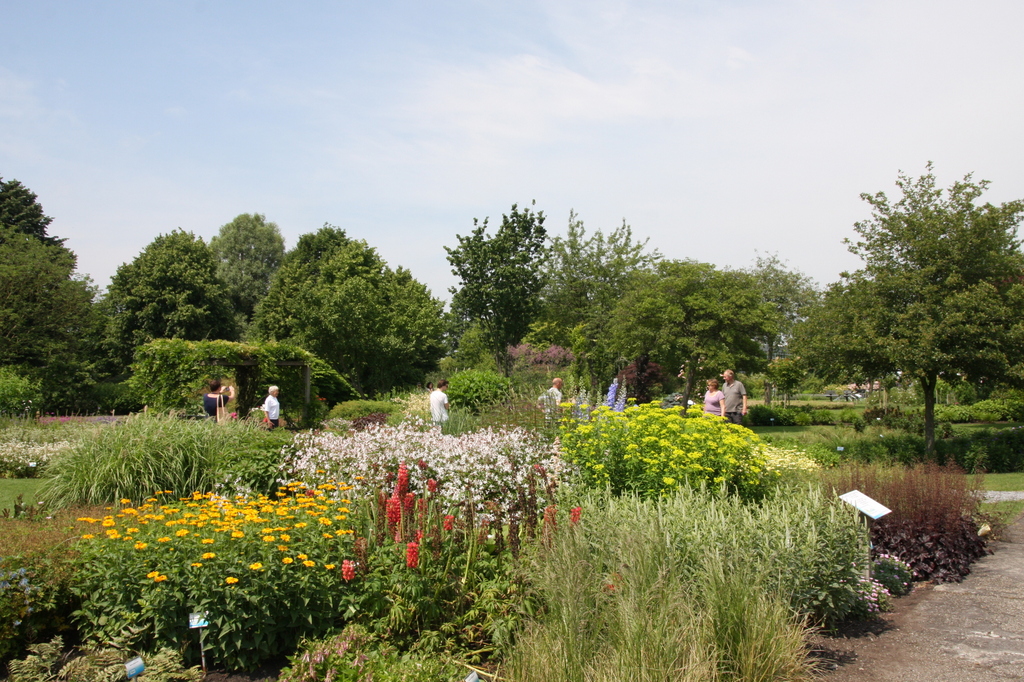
pixel 215 400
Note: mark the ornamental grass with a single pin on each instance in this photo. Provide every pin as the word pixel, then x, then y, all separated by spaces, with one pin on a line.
pixel 265 570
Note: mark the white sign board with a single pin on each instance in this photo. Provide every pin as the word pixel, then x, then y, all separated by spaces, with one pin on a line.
pixel 134 667
pixel 197 620
pixel 865 504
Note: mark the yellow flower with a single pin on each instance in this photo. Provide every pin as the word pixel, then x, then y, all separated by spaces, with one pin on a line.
pixel 133 530
pixel 181 533
pixel 160 578
pixel 231 580
pixel 209 555
pixel 88 536
pixel 285 537
pixel 303 556
pixel 108 522
pixel 196 565
pixel 207 541
pixel 152 574
pixel 309 564
pixel 282 548
pixel 329 567
pixel 287 560
pixel 325 521
pixel 256 566
pixel 237 534
pixel 301 524
pixel 268 538
pixel 163 539
pixel 141 545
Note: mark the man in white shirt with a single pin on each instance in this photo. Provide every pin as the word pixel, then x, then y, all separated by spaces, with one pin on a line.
pixel 439 403
pixel 272 407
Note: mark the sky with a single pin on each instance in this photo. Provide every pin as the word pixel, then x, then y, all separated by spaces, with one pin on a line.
pixel 719 131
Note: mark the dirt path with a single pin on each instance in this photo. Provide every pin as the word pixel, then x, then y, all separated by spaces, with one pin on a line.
pixel 967 632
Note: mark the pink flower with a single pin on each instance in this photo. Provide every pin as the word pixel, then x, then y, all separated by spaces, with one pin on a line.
pixel 348 569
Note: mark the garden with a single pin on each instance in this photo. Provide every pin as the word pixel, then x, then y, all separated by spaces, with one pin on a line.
pixel 620 541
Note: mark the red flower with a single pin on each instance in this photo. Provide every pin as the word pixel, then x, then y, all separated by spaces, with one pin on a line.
pixel 348 569
pixel 412 555
pixel 410 500
pixel 419 535
pixel 422 464
pixel 574 515
pixel 402 487
pixel 432 486
pixel 449 522
pixel 394 510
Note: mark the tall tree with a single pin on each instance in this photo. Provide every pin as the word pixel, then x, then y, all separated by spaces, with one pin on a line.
pixel 585 277
pixel 942 279
pixel 689 315
pixel 20 209
pixel 500 279
pixel 249 251
pixel 789 293
pixel 47 319
pixel 336 297
pixel 171 290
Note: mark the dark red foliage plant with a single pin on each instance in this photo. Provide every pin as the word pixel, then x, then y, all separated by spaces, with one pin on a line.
pixel 933 524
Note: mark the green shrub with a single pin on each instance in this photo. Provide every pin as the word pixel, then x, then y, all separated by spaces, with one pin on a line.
pixel 823 417
pixel 476 389
pixel 895 575
pixel 957 414
pixel 115 397
pixel 145 453
pixel 649 450
pixel 802 419
pixel 36 601
pixel 354 409
pixel 17 393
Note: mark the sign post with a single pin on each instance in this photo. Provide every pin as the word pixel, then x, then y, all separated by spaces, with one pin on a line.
pixel 200 621
pixel 870 508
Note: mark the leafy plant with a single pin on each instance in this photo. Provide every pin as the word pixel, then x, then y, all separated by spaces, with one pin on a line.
pixel 48 662
pixel 475 389
pixel 894 574
pixel 16 393
pixel 353 409
pixel 266 571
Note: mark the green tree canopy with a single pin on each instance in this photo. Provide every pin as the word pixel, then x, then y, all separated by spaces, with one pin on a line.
pixel 20 209
pixel 942 284
pixel 335 296
pixel 692 316
pixel 170 291
pixel 248 251
pixel 47 319
pixel 501 279
pixel 585 275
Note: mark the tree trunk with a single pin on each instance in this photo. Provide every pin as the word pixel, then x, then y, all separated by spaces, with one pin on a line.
pixel 928 387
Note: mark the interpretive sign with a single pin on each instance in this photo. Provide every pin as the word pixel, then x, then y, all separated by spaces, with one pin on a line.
pixel 875 510
pixel 134 667
pixel 197 620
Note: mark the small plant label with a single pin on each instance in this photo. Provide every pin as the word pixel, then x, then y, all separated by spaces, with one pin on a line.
pixel 865 504
pixel 32 465
pixel 840 448
pixel 473 677
pixel 198 620
pixel 134 667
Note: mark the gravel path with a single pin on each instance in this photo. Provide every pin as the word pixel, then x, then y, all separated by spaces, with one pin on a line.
pixel 1003 495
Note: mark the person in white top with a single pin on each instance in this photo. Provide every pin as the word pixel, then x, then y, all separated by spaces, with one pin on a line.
pixel 439 403
pixel 272 407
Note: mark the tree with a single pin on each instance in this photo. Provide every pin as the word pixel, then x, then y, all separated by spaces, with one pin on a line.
pixel 942 284
pixel 336 297
pixel 47 320
pixel 248 252
pixel 585 277
pixel 789 294
pixel 171 290
pixel 501 279
pixel 689 315
pixel 20 209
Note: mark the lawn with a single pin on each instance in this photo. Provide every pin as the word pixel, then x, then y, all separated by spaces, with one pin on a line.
pixel 10 488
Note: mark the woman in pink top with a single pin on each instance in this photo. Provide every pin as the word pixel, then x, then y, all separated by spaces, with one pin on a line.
pixel 714 400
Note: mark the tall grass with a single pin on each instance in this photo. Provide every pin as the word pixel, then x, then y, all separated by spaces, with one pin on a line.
pixel 692 587
pixel 145 453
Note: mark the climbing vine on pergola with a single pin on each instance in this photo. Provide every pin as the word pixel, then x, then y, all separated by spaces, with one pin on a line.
pixel 171 374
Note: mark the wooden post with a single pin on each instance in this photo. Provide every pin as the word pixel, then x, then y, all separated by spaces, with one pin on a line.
pixel 307 375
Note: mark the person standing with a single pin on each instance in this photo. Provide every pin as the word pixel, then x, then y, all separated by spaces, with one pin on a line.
pixel 272 407
pixel 215 400
pixel 550 399
pixel 735 397
pixel 714 400
pixel 439 403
